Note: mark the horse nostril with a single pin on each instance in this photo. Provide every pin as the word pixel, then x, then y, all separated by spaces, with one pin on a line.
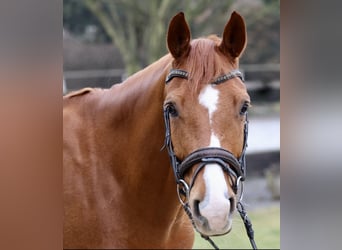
pixel 201 219
pixel 196 207
pixel 232 205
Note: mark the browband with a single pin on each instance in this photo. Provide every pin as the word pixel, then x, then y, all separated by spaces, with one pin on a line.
pixel 184 74
pixel 176 73
pixel 232 74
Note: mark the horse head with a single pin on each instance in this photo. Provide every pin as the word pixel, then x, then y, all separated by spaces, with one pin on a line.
pixel 205 108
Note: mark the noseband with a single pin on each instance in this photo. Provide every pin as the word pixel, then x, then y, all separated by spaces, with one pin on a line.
pixel 235 167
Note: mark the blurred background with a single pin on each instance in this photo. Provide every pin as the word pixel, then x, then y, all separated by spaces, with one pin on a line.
pixel 105 41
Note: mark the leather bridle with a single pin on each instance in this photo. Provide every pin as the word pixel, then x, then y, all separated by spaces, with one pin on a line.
pixel 235 167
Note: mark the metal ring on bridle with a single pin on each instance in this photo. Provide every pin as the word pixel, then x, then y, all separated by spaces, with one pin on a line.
pixel 186 191
pixel 238 182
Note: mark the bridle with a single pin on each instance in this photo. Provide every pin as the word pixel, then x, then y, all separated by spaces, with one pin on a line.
pixel 235 168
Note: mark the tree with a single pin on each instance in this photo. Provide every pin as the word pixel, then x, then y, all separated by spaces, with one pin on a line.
pixel 263 33
pixel 76 18
pixel 138 28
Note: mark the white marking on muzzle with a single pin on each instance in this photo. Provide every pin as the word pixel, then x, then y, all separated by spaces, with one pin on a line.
pixel 215 205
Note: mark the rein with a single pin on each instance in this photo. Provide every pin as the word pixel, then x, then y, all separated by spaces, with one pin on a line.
pixel 203 156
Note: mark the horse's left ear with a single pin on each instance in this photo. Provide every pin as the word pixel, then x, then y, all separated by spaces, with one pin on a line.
pixel 234 36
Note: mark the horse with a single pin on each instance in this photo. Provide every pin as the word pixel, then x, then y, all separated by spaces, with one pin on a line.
pixel 190 108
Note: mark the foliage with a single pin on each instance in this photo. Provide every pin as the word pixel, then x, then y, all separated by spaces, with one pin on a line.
pixel 76 17
pixel 263 33
pixel 138 28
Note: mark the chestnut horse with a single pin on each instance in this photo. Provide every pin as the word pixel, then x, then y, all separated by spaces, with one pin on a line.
pixel 119 186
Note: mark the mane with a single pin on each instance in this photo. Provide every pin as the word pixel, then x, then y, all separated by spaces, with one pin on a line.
pixel 150 73
pixel 203 63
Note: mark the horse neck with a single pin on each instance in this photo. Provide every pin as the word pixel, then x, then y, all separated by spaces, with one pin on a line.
pixel 133 169
pixel 138 131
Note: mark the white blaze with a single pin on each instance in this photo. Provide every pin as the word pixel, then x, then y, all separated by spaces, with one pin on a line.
pixel 209 99
pixel 215 205
pixel 214 141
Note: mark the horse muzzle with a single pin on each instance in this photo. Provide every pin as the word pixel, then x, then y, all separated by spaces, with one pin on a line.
pixel 210 202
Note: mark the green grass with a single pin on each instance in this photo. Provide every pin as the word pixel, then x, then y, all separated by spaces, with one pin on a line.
pixel 266 225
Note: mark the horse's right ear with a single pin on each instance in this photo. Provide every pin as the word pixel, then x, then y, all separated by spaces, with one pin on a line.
pixel 178 36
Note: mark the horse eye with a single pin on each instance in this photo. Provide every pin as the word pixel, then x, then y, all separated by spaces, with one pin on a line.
pixel 172 109
pixel 244 108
